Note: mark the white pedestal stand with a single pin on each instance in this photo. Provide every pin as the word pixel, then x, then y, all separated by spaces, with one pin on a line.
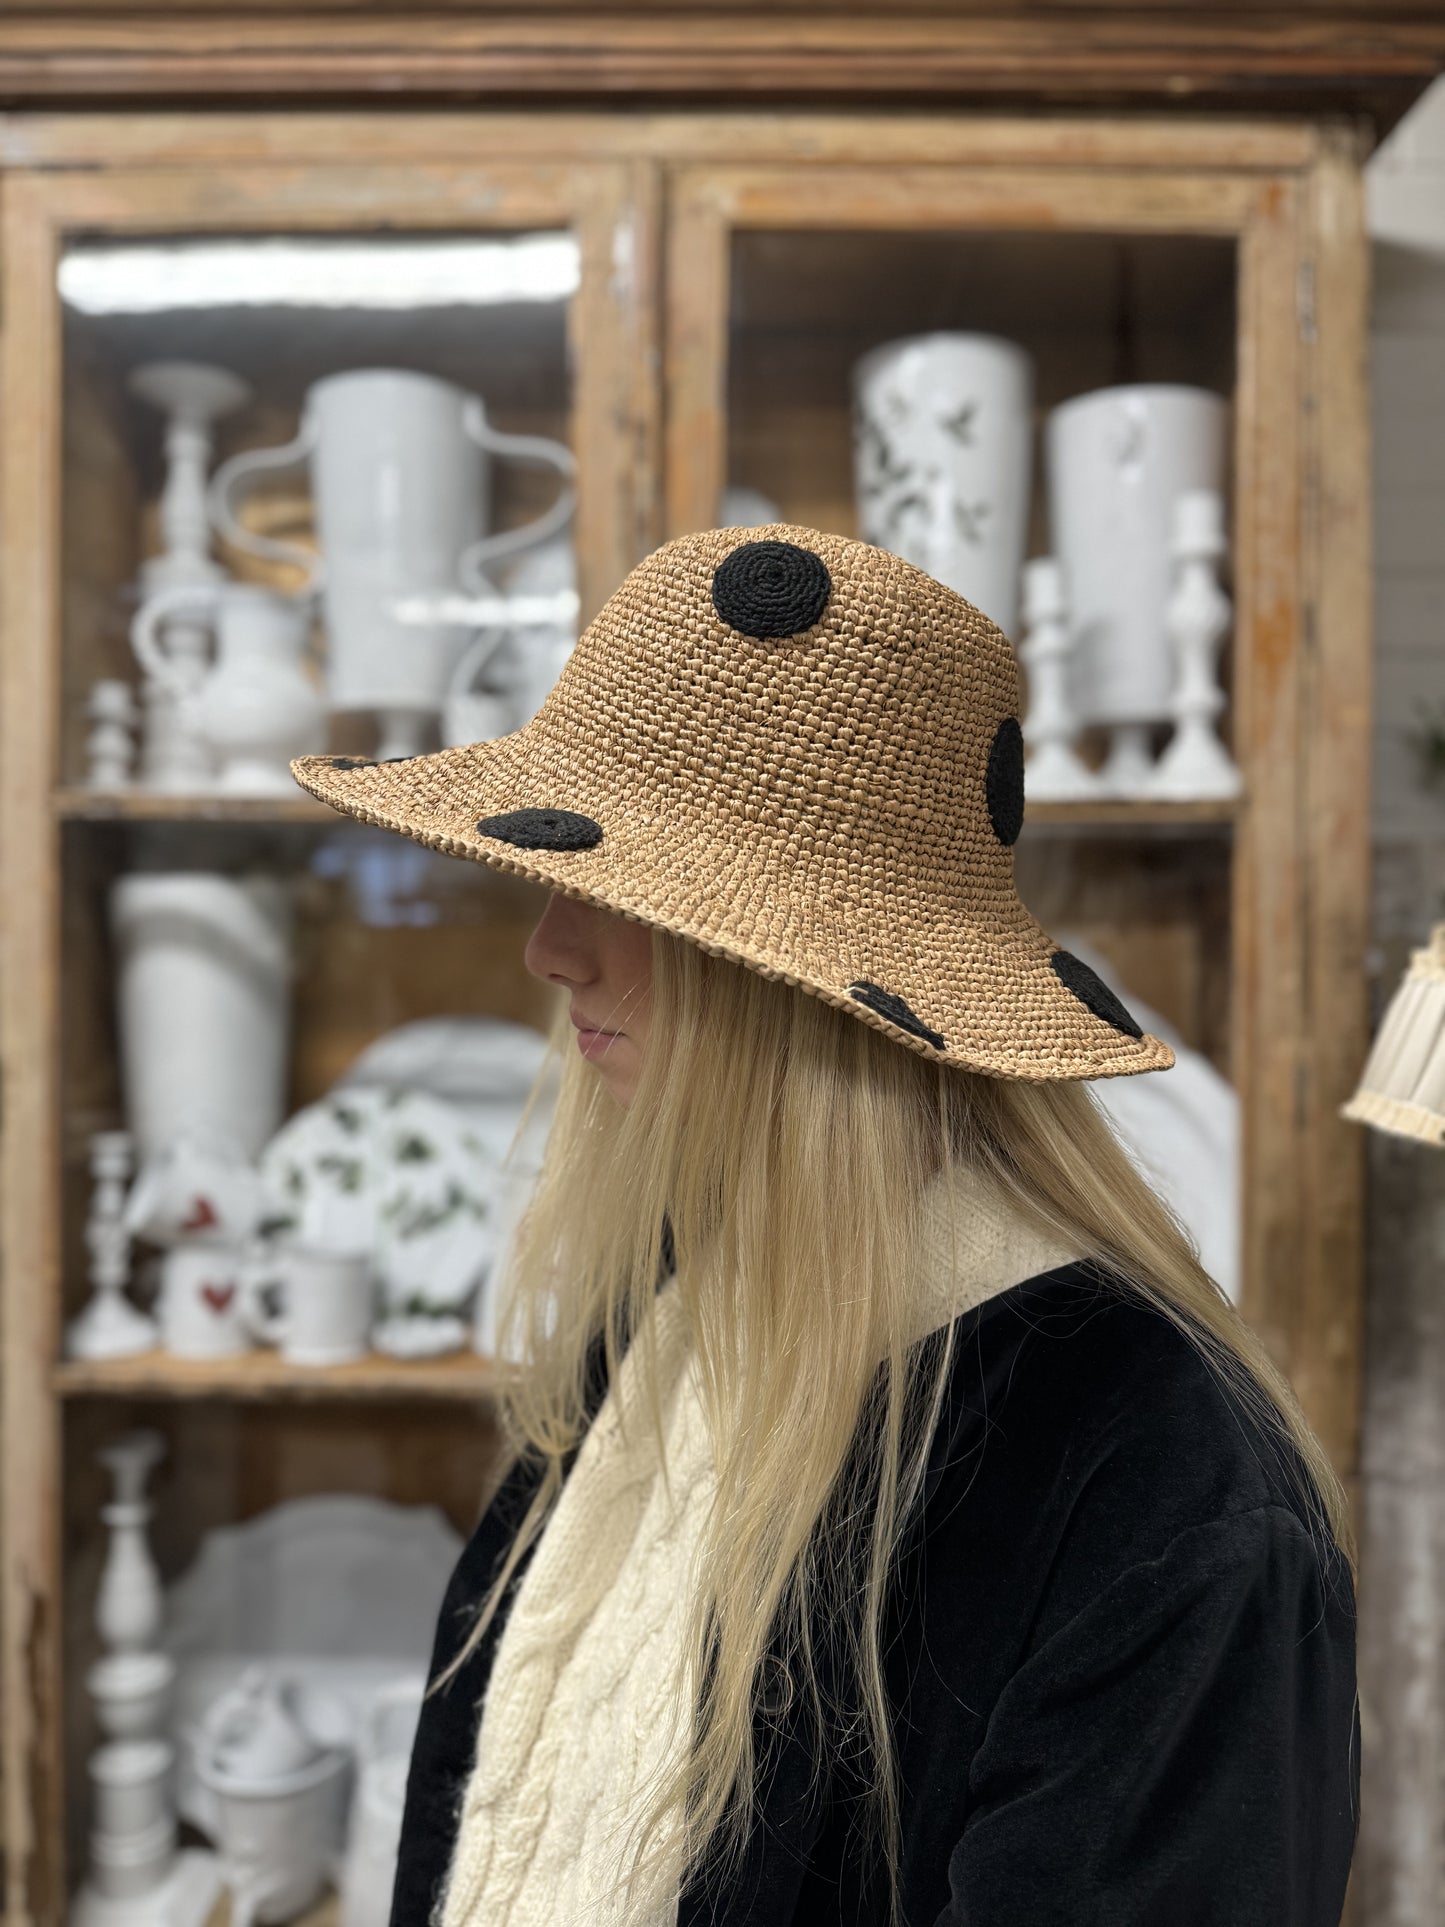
pixel 110 1326
pixel 1195 764
pixel 193 396
pixel 1054 772
pixel 137 1877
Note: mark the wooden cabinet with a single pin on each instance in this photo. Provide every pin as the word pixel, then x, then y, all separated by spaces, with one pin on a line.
pixel 730 270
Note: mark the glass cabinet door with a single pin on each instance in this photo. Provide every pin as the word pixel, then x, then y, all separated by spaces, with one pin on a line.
pixel 319 459
pixel 985 369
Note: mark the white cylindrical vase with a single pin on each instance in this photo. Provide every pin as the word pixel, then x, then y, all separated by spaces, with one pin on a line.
pixel 203 1004
pixel 1117 460
pixel 943 439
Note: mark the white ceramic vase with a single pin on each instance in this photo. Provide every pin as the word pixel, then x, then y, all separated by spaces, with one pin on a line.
pixel 942 445
pixel 400 477
pixel 1117 459
pixel 203 1005
pixel 257 707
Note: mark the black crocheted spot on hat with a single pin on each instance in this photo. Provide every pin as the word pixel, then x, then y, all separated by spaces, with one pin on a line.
pixel 1003 784
pixel 366 762
pixel 1091 990
pixel 771 590
pixel 889 1004
pixel 543 829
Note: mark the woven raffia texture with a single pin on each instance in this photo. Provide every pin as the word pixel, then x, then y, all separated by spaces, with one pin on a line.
pixel 815 806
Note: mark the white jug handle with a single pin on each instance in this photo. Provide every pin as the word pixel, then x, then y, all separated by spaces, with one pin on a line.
pixel 250 1896
pixel 268 1326
pixel 198 597
pixel 522 448
pixel 258 461
pixel 471 660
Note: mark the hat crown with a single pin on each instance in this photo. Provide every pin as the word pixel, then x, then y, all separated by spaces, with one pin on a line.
pixel 867 733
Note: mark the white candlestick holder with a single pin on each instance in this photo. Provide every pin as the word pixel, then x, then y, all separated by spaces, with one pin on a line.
pixel 193 396
pixel 1054 772
pixel 110 1325
pixel 1195 765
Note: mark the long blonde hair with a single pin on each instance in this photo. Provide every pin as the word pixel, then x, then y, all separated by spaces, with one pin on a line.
pixel 786 1145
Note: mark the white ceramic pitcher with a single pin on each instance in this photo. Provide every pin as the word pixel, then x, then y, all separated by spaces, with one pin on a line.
pixel 400 474
pixel 257 707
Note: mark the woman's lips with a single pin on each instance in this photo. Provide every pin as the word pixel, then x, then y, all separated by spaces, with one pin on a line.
pixel 592 1042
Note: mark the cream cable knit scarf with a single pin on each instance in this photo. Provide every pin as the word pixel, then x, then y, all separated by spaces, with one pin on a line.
pixel 584 1707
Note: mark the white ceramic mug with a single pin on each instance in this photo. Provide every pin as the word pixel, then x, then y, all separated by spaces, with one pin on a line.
pixel 943 431
pixel 399 465
pixel 200 1304
pixel 1118 459
pixel 328 1301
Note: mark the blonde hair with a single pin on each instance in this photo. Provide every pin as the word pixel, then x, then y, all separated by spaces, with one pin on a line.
pixel 786 1145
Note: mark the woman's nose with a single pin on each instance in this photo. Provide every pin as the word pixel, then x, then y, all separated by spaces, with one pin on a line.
pixel 558 950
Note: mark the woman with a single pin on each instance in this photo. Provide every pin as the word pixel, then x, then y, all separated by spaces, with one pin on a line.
pixel 902 1525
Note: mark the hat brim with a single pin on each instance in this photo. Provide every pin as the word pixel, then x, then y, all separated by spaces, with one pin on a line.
pixel 982 985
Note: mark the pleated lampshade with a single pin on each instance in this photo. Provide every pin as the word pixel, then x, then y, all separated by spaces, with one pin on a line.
pixel 1402 1088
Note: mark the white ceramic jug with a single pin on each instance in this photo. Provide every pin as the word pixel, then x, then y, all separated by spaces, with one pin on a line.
pixel 399 465
pixel 257 708
pixel 943 442
pixel 383 1754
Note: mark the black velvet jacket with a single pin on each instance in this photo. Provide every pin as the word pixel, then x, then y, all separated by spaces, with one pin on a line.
pixel 1121 1663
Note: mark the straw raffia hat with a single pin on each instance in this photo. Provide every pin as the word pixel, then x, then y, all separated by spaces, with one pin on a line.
pixel 799 752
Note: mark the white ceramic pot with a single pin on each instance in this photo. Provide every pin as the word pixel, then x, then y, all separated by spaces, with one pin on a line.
pixel 257 708
pixel 943 439
pixel 1117 461
pixel 400 477
pixel 203 991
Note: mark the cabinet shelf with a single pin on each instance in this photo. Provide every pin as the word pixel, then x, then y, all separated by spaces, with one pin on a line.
pixel 153 806
pixel 262 1375
pixel 1123 816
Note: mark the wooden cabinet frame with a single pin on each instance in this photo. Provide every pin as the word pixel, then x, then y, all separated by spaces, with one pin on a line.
pixel 659 193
